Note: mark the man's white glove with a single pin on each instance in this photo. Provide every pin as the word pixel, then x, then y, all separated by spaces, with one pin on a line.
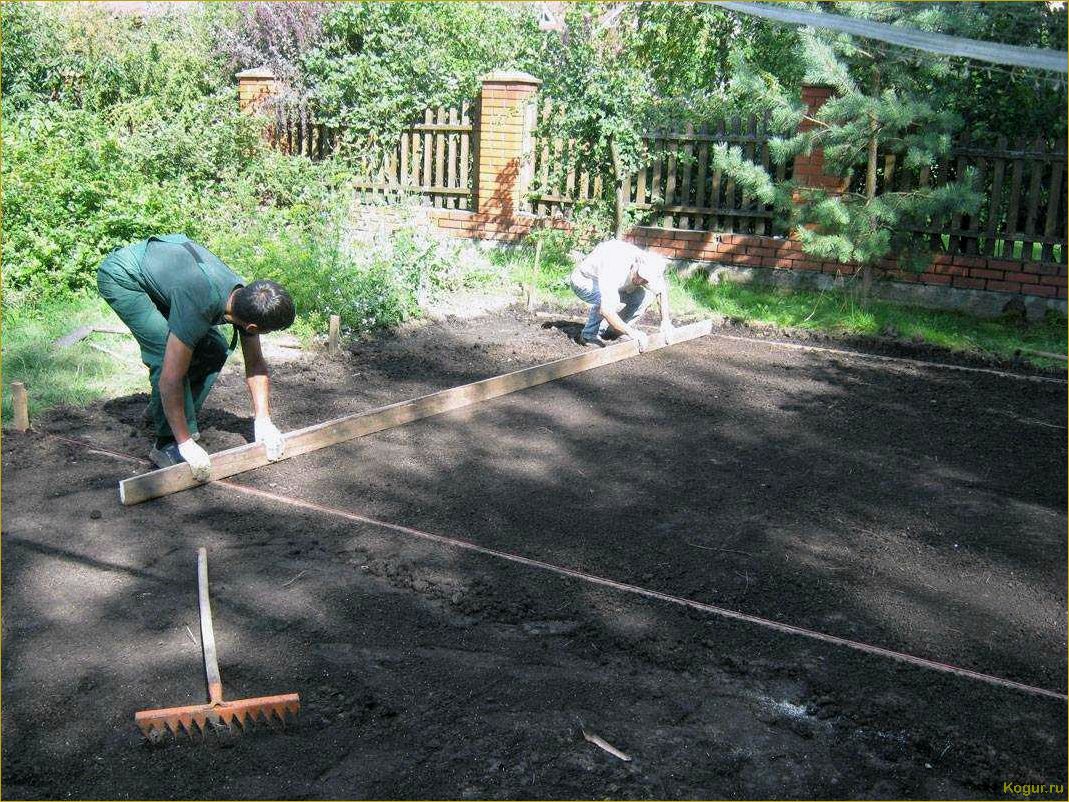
pixel 267 433
pixel 200 464
pixel 668 330
pixel 640 337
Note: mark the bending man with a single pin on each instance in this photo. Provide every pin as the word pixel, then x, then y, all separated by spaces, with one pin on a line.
pixel 172 293
pixel 618 272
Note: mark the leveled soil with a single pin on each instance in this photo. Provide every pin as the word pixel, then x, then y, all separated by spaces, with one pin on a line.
pixel 918 509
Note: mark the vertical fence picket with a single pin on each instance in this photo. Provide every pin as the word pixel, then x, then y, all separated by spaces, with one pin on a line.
pixel 686 167
pixel 729 188
pixel 764 223
pixel 427 176
pixel 994 200
pixel 465 139
pixel 642 178
pixel 1013 216
pixel 670 198
pixel 451 171
pixel 569 159
pixel 1054 196
pixel 1035 187
pixel 715 189
pixel 656 195
pixel 702 165
pixel 955 242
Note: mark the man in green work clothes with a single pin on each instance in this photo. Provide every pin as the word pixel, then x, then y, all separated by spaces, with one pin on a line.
pixel 172 293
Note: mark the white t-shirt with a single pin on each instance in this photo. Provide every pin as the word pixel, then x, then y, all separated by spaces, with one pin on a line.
pixel 608 270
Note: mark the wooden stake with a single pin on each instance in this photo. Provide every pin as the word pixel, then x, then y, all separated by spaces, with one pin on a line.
pixel 332 337
pixel 534 276
pixel 165 481
pixel 22 406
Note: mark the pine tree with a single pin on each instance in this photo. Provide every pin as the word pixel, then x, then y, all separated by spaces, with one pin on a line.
pixel 882 105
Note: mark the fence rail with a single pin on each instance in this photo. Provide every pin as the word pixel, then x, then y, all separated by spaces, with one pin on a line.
pixel 1023 189
pixel 432 158
pixel 678 188
pixel 1022 183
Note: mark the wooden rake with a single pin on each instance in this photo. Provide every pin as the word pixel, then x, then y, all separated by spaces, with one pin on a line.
pixel 217 712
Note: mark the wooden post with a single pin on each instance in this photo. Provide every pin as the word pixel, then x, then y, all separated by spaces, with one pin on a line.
pixel 533 283
pixel 21 404
pixel 332 336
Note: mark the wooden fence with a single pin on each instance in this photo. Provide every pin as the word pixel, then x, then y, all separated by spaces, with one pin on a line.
pixel 1023 183
pixel 432 159
pixel 296 132
pixel 1023 186
pixel 677 189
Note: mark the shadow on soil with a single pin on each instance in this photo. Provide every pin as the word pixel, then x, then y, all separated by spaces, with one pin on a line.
pixel 920 511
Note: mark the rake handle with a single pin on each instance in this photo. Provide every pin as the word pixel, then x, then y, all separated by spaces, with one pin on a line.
pixel 207 633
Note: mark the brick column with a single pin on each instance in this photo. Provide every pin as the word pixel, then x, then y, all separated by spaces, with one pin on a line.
pixel 255 88
pixel 809 170
pixel 503 142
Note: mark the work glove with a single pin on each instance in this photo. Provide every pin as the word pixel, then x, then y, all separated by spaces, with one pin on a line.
pixel 640 337
pixel 267 433
pixel 200 464
pixel 668 330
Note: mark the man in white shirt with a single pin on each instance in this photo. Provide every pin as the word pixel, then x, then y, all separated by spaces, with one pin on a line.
pixel 618 272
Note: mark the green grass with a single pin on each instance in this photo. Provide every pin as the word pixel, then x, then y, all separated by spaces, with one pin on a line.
pixel 77 375
pixel 80 374
pixel 833 312
pixel 838 312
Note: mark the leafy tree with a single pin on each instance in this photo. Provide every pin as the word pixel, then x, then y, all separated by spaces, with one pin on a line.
pixel 882 106
pixel 620 70
pixel 379 65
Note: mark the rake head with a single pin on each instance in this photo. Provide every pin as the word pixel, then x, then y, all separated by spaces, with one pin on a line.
pixel 154 724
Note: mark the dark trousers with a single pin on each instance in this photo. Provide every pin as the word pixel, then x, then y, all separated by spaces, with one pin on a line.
pixel 119 286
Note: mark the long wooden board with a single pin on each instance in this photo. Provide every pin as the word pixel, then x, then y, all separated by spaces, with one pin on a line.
pixel 165 481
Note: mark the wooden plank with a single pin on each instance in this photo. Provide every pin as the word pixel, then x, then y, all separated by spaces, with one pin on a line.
pixel 82 332
pixel 21 402
pixel 406 146
pixel 233 461
pixel 442 128
pixel 381 185
pixel 333 335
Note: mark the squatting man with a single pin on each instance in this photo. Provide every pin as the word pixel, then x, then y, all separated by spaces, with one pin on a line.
pixel 172 294
pixel 615 273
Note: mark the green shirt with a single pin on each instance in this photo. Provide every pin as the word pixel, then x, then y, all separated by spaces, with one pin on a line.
pixel 191 295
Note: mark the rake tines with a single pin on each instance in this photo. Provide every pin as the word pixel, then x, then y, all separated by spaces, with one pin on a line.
pixel 216 713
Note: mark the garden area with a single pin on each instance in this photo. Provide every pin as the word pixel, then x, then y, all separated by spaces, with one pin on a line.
pixel 808 543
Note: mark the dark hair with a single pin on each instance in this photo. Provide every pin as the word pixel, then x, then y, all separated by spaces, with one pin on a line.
pixel 265 304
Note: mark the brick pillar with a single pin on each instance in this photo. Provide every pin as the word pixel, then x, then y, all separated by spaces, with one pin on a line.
pixel 255 88
pixel 809 170
pixel 503 142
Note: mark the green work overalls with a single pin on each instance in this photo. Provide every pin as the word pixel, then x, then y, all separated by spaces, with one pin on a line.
pixel 189 301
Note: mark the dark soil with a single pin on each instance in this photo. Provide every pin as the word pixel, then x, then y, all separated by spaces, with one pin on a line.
pixel 919 509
